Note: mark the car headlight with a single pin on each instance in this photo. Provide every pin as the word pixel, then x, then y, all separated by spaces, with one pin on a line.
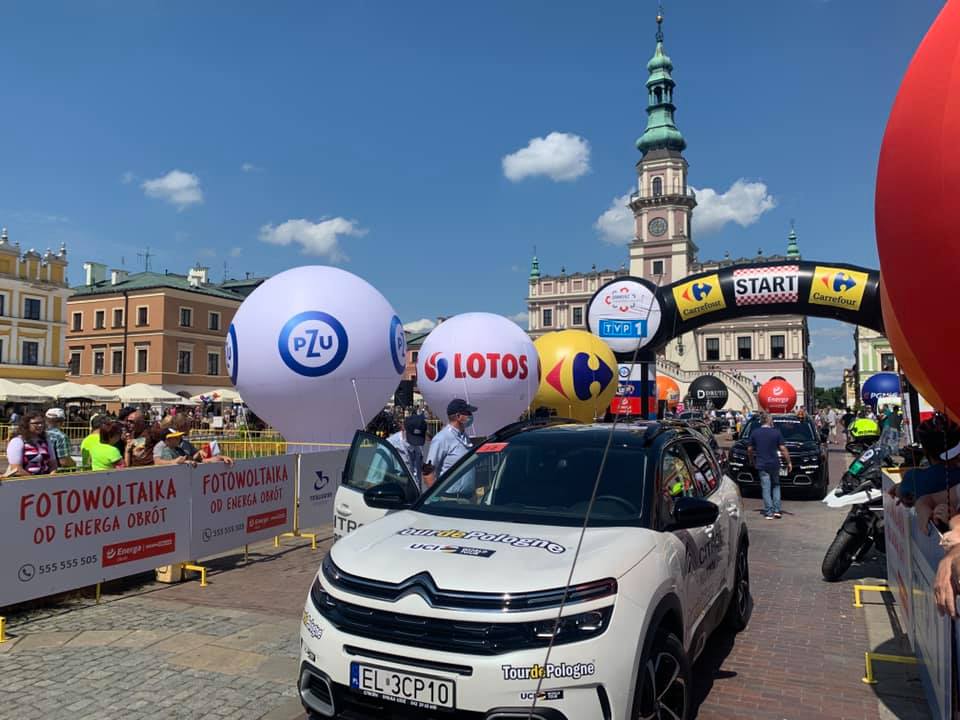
pixel 573 627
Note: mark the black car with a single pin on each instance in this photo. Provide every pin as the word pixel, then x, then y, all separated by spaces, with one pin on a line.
pixel 807 453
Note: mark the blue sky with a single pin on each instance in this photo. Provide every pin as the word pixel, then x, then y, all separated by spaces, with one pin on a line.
pixel 373 134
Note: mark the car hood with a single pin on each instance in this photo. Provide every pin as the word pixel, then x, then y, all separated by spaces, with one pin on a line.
pixel 807 446
pixel 486 556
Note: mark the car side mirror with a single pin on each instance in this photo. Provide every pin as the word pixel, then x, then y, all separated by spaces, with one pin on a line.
pixel 693 512
pixel 386 496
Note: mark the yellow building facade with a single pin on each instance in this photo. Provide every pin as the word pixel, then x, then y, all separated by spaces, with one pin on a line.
pixel 33 306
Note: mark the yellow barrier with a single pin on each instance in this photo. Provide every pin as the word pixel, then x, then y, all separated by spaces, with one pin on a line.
pixel 3 629
pixel 858 589
pixel 200 569
pixel 870 658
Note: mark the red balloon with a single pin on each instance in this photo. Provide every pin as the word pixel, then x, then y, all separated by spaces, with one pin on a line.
pixel 917 213
pixel 777 396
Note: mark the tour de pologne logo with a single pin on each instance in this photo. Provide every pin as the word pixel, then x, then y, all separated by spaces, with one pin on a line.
pixel 313 343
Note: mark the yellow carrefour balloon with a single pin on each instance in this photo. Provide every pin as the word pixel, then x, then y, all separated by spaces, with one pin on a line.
pixel 578 374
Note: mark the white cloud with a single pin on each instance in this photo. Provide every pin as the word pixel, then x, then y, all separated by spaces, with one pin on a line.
pixel 320 238
pixel 830 369
pixel 249 167
pixel 420 326
pixel 176 187
pixel 128 177
pixel 559 156
pixel 521 319
pixel 743 204
pixel 616 225
pixel 236 251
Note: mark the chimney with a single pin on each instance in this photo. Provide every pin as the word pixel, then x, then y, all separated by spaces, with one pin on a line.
pixel 197 276
pixel 95 272
pixel 118 276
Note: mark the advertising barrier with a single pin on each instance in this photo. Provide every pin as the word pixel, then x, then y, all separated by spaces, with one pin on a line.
pixel 234 505
pixel 896 529
pixel 61 532
pixel 932 635
pixel 318 478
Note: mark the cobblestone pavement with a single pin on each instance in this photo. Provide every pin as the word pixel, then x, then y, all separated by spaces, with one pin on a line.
pixel 230 649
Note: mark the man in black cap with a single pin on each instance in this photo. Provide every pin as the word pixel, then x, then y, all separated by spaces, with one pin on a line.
pixel 451 443
pixel 409 444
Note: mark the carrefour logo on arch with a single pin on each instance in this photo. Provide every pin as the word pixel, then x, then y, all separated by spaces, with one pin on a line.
pixel 477 365
pixel 313 343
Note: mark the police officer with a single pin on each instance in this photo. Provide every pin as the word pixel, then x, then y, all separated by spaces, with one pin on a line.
pixel 451 443
pixel 409 444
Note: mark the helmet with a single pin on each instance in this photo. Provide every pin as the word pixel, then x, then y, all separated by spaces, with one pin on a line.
pixel 864 427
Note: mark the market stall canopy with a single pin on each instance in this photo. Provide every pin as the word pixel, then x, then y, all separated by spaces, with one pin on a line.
pixel 82 391
pixel 227 395
pixel 11 391
pixel 151 394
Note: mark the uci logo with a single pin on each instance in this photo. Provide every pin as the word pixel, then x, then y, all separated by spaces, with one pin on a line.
pixel 435 368
pixel 398 344
pixel 313 343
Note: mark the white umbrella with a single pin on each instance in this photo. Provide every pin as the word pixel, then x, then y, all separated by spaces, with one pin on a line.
pixel 226 395
pixel 23 392
pixel 150 394
pixel 86 391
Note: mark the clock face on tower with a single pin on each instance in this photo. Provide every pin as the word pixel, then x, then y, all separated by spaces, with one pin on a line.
pixel 657 226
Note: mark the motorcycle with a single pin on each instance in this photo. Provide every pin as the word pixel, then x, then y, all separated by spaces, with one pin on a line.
pixel 860 489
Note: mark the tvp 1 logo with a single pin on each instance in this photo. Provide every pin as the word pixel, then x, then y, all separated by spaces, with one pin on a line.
pixel 313 343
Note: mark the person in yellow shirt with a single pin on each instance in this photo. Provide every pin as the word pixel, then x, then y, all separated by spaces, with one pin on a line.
pixel 90 440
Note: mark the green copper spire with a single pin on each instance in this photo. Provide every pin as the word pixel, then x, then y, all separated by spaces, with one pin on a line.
pixel 661 130
pixel 793 250
pixel 534 268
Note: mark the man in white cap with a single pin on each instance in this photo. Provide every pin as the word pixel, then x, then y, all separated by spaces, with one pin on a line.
pixel 57 439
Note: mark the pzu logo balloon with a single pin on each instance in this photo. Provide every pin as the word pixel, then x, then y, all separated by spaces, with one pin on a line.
pixel 313 343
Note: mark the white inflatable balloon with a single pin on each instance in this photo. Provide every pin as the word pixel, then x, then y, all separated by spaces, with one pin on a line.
pixel 484 359
pixel 316 352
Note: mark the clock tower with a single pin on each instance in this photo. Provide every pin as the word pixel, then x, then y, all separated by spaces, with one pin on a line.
pixel 663 249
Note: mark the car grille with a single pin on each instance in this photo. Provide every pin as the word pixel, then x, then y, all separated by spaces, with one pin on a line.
pixel 472 638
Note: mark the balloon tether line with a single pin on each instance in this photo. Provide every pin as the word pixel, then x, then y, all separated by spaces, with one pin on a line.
pixel 356 393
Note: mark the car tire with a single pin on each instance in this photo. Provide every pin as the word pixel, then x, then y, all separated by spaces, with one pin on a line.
pixel 741 603
pixel 663 681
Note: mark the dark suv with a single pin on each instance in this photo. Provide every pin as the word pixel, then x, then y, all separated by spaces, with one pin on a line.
pixel 807 453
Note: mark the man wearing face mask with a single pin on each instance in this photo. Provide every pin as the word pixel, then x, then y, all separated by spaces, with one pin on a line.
pixel 450 444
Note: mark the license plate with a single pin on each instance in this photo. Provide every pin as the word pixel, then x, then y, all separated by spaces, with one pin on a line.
pixel 412 689
pixel 783 472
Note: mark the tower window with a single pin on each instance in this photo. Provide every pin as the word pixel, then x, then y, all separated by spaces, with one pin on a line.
pixel 657 187
pixel 778 347
pixel 744 349
pixel 658 93
pixel 658 267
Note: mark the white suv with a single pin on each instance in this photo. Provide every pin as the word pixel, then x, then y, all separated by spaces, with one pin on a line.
pixel 466 604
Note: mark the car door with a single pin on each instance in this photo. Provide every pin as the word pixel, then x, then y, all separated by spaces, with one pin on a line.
pixel 693 544
pixel 711 486
pixel 371 461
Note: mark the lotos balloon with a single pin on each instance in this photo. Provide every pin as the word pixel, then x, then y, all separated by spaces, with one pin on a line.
pixel 777 396
pixel 668 390
pixel 317 352
pixel 484 359
pixel 919 167
pixel 579 375
pixel 878 386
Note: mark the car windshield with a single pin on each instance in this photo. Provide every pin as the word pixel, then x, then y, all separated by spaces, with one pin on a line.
pixel 546 477
pixel 792 429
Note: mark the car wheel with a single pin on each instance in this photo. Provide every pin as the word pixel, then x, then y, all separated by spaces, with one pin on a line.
pixel 738 613
pixel 663 682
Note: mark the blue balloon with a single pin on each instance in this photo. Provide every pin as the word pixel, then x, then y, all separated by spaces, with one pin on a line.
pixel 879 386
